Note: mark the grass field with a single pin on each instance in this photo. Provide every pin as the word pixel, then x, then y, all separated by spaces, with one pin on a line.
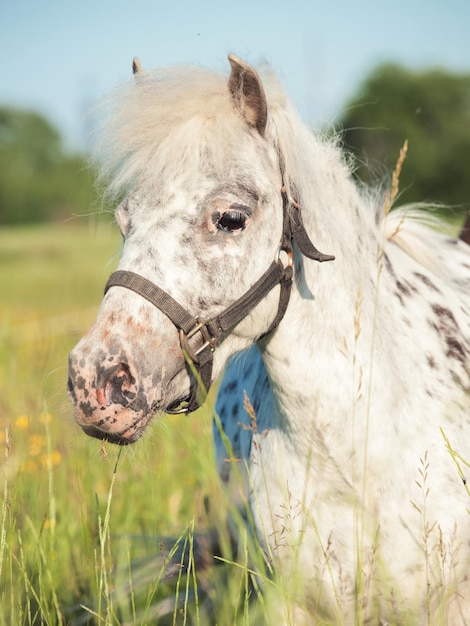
pixel 80 525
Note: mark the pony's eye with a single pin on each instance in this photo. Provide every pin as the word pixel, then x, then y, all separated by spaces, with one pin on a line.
pixel 231 221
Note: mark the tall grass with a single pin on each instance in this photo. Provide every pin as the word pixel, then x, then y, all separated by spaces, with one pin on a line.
pixel 81 525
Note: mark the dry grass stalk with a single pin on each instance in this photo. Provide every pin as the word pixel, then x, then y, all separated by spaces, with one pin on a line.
pixel 391 196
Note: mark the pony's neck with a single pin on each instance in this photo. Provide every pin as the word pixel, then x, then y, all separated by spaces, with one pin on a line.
pixel 314 344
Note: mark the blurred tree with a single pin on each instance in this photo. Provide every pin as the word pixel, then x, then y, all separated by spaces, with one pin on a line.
pixel 432 110
pixel 38 180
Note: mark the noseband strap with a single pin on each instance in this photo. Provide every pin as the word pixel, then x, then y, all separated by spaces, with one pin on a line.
pixel 198 338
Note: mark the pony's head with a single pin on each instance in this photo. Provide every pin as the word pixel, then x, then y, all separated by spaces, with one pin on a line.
pixel 204 217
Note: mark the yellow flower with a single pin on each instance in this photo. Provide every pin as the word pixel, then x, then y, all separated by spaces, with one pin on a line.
pixel 45 418
pixel 49 523
pixel 29 466
pixel 50 460
pixel 36 444
pixel 22 422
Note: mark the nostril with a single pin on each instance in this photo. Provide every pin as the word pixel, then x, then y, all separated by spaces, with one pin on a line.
pixel 115 385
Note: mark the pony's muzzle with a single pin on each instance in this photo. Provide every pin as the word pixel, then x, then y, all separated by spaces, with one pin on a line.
pixel 104 396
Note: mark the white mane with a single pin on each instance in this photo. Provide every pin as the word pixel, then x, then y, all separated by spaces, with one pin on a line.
pixel 190 109
pixel 162 117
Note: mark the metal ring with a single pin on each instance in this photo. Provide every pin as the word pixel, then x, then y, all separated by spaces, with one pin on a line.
pixel 290 256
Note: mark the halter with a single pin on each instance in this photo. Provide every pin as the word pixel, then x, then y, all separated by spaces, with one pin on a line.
pixel 198 337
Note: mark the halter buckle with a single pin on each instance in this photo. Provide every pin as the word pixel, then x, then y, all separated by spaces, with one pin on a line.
pixel 208 340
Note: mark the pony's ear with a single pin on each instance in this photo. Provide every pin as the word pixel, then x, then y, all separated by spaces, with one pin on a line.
pixel 247 92
pixel 136 66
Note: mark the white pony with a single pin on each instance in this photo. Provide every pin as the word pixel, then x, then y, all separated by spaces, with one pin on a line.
pixel 347 403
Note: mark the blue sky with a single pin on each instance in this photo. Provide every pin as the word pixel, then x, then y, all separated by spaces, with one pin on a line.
pixel 61 56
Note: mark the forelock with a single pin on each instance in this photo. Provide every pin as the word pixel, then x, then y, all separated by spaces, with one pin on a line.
pixel 167 117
